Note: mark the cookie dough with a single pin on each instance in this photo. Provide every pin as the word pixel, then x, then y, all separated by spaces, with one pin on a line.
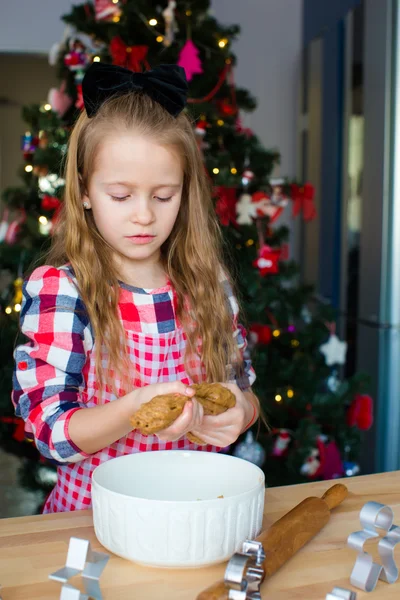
pixel 163 410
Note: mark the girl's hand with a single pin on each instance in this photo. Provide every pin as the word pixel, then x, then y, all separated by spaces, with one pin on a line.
pixel 192 414
pixel 223 430
pixel 191 418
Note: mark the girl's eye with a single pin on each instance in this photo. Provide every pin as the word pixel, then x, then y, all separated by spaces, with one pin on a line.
pixel 119 198
pixel 163 199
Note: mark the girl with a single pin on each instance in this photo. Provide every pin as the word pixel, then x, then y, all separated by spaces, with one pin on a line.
pixel 133 302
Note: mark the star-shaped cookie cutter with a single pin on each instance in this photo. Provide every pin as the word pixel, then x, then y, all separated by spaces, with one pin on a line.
pixel 81 560
pixel 245 573
pixel 366 572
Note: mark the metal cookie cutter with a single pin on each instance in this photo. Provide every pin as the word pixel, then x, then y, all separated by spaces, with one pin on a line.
pixel 366 573
pixel 81 560
pixel 341 594
pixel 244 573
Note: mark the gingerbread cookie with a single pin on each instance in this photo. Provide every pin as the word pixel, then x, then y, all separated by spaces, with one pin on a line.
pixel 163 410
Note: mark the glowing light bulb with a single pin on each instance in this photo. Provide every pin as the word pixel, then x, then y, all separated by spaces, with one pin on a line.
pixel 278 398
pixel 153 22
pixel 47 107
pixel 215 171
pixel 29 168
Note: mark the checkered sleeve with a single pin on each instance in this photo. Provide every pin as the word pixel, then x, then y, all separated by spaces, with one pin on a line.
pixel 48 379
pixel 246 376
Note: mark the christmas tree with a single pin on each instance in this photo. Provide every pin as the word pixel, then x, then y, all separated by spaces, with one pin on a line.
pixel 315 417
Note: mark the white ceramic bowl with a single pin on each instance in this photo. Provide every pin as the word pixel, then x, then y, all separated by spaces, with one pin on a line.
pixel 162 508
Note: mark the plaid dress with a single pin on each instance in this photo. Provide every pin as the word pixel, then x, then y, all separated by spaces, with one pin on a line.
pixel 55 374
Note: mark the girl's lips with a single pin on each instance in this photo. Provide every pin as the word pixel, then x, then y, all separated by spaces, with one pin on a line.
pixel 141 239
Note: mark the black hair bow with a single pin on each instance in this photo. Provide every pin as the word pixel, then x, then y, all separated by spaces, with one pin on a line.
pixel 165 84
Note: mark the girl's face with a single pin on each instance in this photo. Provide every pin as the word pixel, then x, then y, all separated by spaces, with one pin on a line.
pixel 135 193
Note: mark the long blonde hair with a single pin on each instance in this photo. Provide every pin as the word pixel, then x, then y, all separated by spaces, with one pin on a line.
pixel 192 255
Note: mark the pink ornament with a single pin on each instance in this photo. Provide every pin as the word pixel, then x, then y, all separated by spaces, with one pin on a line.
pixel 189 60
pixel 59 100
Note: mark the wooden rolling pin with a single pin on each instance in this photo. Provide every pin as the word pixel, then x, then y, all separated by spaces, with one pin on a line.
pixel 285 537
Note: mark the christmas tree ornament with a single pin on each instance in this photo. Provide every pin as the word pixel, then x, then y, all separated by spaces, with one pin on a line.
pixel 246 210
pixel 50 183
pixel 260 334
pixel 59 100
pixel 334 351
pixel 77 59
pixel 311 465
pixel 267 261
pixel 129 57
pixel 281 444
pixel 107 10
pixel 303 200
pixel 81 560
pixel 171 27
pixel 189 60
pixel 14 226
pixel 375 518
pixel 265 208
pixel 351 469
pixel 50 203
pixel 361 412
pixel 250 450
pixel 28 145
pixel 277 197
pixel 227 108
pixel 333 467
pixel 247 177
pixel 333 382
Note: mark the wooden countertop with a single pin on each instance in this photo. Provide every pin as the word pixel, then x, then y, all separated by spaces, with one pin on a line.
pixel 33 547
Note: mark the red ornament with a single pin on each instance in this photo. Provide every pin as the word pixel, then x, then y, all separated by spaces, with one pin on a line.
pixel 226 108
pixel 268 261
pixel 265 208
pixel 262 333
pixel 361 412
pixel 50 202
pixel 303 199
pixel 130 57
pixel 226 205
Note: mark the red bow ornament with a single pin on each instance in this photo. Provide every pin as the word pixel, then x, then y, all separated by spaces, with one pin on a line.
pixel 130 57
pixel 303 200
